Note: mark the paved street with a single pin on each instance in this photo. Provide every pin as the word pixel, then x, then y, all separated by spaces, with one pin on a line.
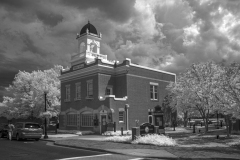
pixel 42 150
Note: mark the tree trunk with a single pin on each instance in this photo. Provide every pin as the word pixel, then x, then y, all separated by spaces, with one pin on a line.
pixel 185 118
pixel 227 125
pixel 206 123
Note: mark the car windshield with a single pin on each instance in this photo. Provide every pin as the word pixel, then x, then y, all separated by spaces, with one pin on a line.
pixel 31 125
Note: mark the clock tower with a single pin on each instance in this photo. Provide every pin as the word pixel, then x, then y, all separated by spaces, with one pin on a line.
pixel 88 47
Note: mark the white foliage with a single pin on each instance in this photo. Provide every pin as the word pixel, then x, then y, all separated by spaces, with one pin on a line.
pixel 155 139
pixel 119 139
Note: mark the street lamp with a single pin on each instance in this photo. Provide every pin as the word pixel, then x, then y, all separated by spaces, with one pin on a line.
pixel 45 121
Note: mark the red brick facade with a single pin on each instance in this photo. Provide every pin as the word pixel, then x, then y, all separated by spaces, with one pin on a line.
pixel 128 83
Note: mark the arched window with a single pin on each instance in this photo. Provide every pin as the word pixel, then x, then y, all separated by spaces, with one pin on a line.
pixel 71 119
pixel 93 47
pixel 82 47
pixel 86 119
pixel 150 119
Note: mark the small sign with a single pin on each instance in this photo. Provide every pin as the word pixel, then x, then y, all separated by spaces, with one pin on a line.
pixel 78 66
pixel 146 128
pixel 158 109
pixel 110 126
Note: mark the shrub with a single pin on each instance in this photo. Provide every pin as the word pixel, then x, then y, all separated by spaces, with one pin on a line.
pixel 155 139
pixel 119 139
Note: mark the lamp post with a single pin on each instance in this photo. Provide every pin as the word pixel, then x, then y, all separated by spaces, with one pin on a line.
pixel 45 121
pixel 126 109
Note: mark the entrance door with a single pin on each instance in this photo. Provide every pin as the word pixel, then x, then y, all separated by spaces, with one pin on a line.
pixel 103 123
pixel 159 121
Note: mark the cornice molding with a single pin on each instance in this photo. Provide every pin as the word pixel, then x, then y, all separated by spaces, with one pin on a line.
pixel 156 70
pixel 112 96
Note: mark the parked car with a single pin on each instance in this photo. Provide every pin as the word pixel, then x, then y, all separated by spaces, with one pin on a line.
pixel 3 130
pixel 27 130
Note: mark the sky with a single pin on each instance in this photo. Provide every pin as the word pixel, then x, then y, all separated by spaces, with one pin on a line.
pixel 169 35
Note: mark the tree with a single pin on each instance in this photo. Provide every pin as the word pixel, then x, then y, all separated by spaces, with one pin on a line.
pixel 28 94
pixel 193 89
pixel 227 93
pixel 169 112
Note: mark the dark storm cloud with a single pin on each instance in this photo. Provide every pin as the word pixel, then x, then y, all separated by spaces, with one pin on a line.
pixel 30 10
pixel 117 10
pixel 50 19
pixel 31 47
pixel 17 4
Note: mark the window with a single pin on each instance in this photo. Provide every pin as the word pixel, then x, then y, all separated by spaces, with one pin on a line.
pixel 90 89
pixel 93 47
pixel 78 91
pixel 121 116
pixel 67 93
pixel 108 91
pixel 71 119
pixel 154 91
pixel 150 119
pixel 82 47
pixel 30 125
pixel 87 119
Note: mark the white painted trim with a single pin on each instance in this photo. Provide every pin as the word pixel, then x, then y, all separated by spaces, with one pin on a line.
pixel 148 78
pixel 153 83
pixel 148 68
pixel 112 96
pixel 85 157
pixel 121 109
pixel 95 68
pixel 105 66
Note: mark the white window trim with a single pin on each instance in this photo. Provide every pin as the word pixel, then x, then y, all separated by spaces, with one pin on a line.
pixel 152 119
pixel 154 85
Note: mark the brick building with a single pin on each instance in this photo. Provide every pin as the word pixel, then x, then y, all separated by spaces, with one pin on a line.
pixel 96 91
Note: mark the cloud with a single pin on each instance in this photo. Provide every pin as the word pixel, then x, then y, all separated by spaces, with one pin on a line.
pixel 117 10
pixel 168 34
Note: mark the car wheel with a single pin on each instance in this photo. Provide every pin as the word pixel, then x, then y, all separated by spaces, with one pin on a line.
pixel 17 137
pixel 37 139
pixel 1 134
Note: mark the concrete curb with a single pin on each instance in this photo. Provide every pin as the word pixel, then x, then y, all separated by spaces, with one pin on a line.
pixel 48 140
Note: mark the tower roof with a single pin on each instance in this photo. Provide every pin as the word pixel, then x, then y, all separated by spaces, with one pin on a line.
pixel 90 27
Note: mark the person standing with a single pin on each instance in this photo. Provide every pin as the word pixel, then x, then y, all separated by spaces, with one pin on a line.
pixel 10 130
